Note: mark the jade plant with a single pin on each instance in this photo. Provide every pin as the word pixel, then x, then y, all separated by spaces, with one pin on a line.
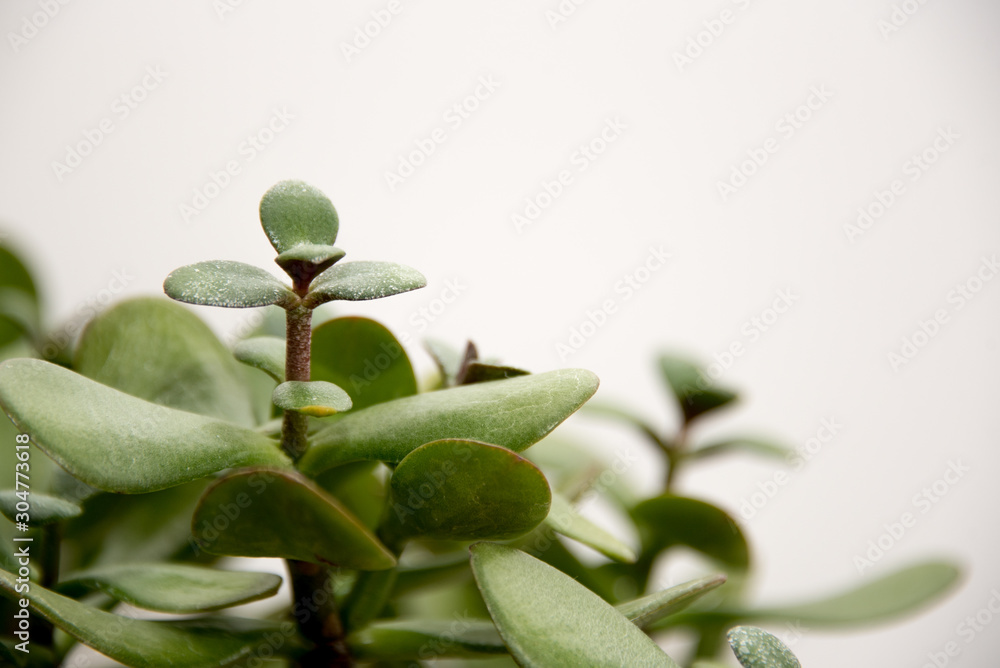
pixel 411 521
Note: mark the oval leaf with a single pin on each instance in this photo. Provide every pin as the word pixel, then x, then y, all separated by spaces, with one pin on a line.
pixel 548 619
pixel 359 281
pixel 316 398
pixel 564 519
pixel 117 442
pixel 294 213
pixel 45 509
pixel 666 521
pixel 514 413
pixel 756 446
pixel 410 639
pixel 364 358
pixel 269 513
pixel 266 353
pixel 175 587
pixel 756 648
pixel 649 609
pixel 478 372
pixel 227 284
pixel 140 643
pixel 694 391
pixel 464 490
pixel 158 350
pixel 19 310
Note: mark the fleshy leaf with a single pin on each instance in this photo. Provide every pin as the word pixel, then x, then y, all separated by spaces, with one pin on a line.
pixel 45 509
pixel 695 392
pixel 359 281
pixel 548 619
pixel 649 609
pixel 176 588
pixel 409 639
pixel 364 358
pixel 514 413
pixel 117 442
pixel 19 310
pixel 477 372
pixel 360 487
pixel 665 521
pixel 308 259
pixel 269 513
pixel 294 213
pixel 227 284
pixel 564 519
pixel 757 446
pixel 756 648
pixel 266 353
pixel 317 398
pixel 621 414
pixel 158 350
pixel 464 490
pixel 447 359
pixel 202 643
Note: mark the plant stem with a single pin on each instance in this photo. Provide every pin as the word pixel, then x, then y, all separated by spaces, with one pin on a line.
pixel 675 454
pixel 298 332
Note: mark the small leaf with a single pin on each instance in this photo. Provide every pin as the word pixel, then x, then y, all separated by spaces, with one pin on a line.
pixel 174 587
pixel 477 372
pixel 694 391
pixel 649 609
pixel 564 519
pixel 159 351
pixel 621 414
pixel 513 413
pixel 364 358
pixel 753 445
pixel 312 257
pixel 464 490
pixel 203 643
pixel 666 521
pixel 294 213
pixel 316 398
pixel 548 619
pixel 447 359
pixel 411 639
pixel 117 442
pixel 359 281
pixel 227 284
pixel 756 648
pixel 269 513
pixel 45 509
pixel 266 353
pixel 19 311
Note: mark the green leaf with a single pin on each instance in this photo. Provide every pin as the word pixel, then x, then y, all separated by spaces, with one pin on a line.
pixel 314 258
pixel 410 639
pixel 117 442
pixel 364 358
pixel 753 445
pixel 548 619
pixel 666 521
pixel 201 643
pixel 886 598
pixel 266 353
pixel 564 519
pixel 317 398
pixel 477 372
pixel 513 413
pixel 227 284
pixel 19 311
pixel 294 213
pixel 649 609
pixel 360 487
pixel 447 359
pixel 269 513
pixel 756 648
pixel 158 350
pixel 359 281
pixel 621 414
pixel 176 588
pixel 45 509
pixel 695 392
pixel 464 490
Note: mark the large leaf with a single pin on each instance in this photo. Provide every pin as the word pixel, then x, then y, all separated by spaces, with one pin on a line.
pixel 513 413
pixel 649 609
pixel 174 587
pixel 756 648
pixel 141 643
pixel 44 509
pixel 117 442
pixel 464 490
pixel 294 213
pixel 269 513
pixel 564 519
pixel 548 619
pixel 364 358
pixel 666 521
pixel 695 392
pixel 360 281
pixel 411 639
pixel 157 350
pixel 227 284
pixel 317 398
pixel 360 487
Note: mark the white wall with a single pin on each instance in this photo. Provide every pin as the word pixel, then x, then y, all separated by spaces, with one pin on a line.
pixel 887 95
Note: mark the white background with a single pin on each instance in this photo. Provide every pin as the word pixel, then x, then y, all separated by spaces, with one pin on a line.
pixel 117 215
